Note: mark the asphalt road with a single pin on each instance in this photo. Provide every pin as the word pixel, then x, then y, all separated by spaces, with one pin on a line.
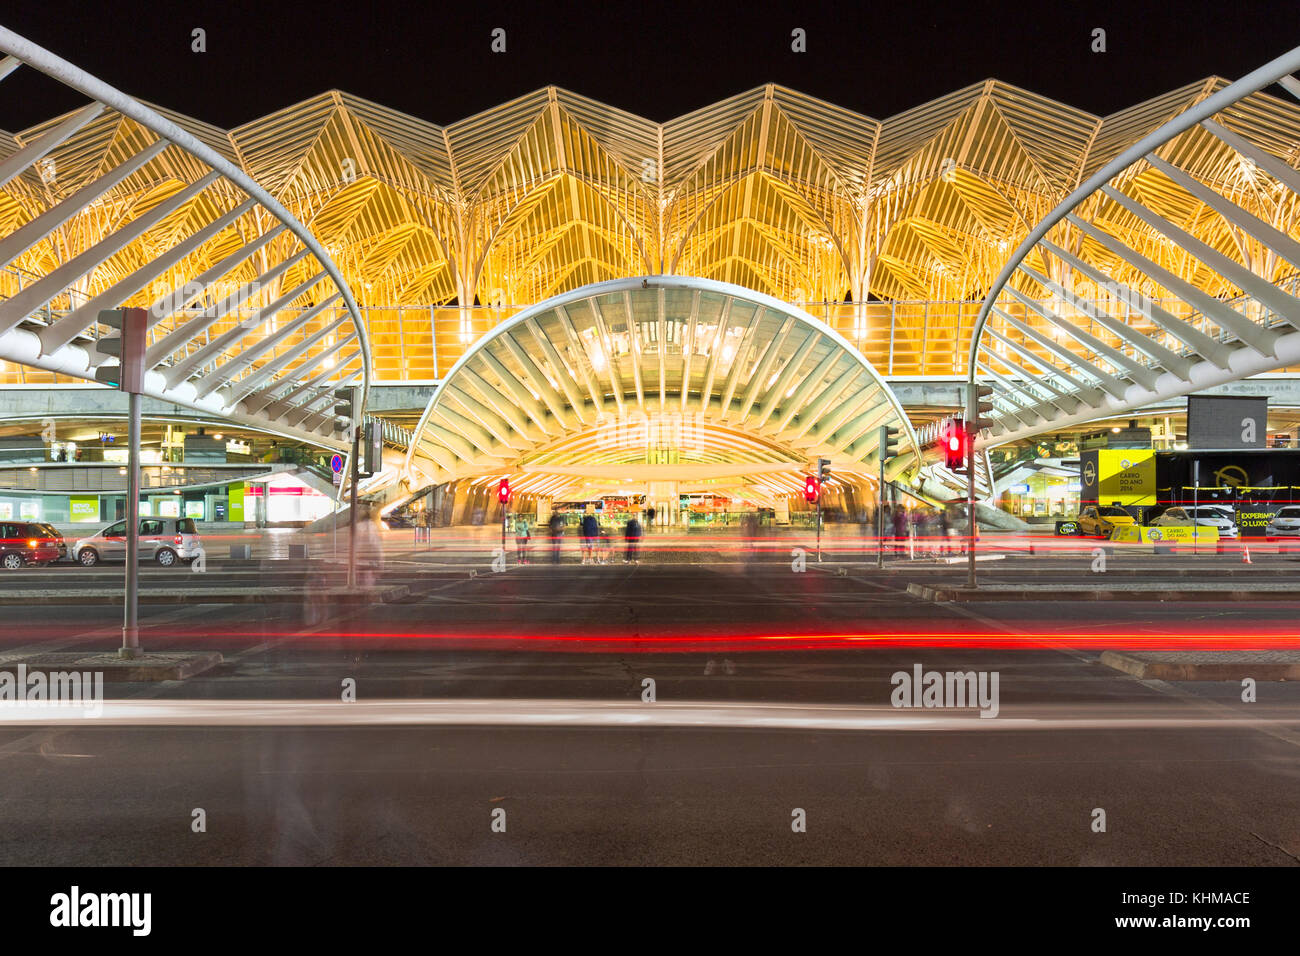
pixel 1186 773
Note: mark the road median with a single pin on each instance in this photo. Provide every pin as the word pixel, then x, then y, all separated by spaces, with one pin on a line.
pixel 1192 665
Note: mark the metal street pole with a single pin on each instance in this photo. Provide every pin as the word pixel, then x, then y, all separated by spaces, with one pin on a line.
pixel 1196 496
pixel 819 523
pixel 131 618
pixel 880 514
pixel 352 511
pixel 970 499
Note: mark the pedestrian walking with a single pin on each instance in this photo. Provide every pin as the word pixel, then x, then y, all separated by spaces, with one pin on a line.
pixel 632 534
pixel 590 529
pixel 604 545
pixel 522 534
pixel 557 536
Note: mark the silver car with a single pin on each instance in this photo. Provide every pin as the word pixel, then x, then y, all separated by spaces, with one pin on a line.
pixel 165 540
pixel 1284 524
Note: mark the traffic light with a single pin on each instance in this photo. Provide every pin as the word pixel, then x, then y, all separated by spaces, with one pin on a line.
pixel 126 345
pixel 346 400
pixel 823 470
pixel 954 445
pixel 372 449
pixel 812 488
pixel 503 490
pixel 982 407
pixel 889 436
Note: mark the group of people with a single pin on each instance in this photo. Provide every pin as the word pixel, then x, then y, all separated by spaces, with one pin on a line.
pixel 596 542
pixel 932 527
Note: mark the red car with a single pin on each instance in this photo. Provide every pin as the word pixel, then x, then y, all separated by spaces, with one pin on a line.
pixel 25 542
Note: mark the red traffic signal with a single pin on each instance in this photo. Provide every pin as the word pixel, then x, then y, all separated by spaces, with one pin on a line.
pixel 954 446
pixel 811 487
pixel 503 490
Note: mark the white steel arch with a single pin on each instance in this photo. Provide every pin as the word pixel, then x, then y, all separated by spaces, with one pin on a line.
pixel 250 319
pixel 1071 330
pixel 726 380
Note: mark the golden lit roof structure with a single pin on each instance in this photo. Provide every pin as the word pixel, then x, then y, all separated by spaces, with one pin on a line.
pixel 887 231
pixel 444 231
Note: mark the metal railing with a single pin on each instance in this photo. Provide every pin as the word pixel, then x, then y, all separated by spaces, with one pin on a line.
pixel 419 343
pixel 110 477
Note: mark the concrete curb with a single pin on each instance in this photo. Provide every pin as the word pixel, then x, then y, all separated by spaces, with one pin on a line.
pixel 177 665
pixel 962 595
pixel 1195 666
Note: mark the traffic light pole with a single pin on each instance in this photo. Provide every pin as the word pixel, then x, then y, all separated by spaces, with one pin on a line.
pixel 352 509
pixel 819 524
pixel 970 509
pixel 131 615
pixel 880 513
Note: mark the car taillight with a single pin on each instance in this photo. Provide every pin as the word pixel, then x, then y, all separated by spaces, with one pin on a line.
pixel 177 539
pixel 33 543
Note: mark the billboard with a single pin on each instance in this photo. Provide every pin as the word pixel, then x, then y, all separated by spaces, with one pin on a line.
pixel 1124 477
pixel 1175 534
pixel 83 509
pixel 1215 421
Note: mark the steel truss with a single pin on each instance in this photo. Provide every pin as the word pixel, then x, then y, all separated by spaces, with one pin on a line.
pixel 1071 330
pixel 117 205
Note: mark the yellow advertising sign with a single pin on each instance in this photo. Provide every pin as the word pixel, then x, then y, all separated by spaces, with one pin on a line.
pixel 1173 534
pixel 83 509
pixel 1126 476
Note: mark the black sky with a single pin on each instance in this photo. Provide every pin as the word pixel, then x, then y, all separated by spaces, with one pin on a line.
pixel 658 59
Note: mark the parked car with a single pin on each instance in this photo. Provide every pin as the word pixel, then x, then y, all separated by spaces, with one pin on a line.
pixel 165 540
pixel 1284 524
pixel 1095 520
pixel 28 542
pixel 1203 516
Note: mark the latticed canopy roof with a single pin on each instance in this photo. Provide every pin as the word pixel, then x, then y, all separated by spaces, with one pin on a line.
pixel 770 189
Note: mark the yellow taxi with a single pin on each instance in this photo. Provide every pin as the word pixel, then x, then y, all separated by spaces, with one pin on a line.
pixel 1100 521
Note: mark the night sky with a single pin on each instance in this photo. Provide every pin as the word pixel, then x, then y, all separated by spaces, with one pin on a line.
pixel 658 59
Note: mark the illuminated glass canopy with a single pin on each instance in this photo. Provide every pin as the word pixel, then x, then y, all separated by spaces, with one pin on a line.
pixel 660 378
